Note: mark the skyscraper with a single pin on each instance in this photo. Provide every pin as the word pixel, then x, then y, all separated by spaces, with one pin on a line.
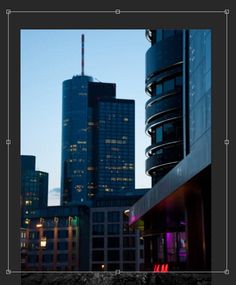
pixel 97 140
pixel 176 212
pixel 74 140
pixel 164 110
pixel 34 187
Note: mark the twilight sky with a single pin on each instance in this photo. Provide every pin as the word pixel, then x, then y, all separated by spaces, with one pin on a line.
pixel 48 57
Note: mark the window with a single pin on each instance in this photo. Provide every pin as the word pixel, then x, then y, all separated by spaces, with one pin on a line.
pixel 128 242
pixel 159 135
pixel 169 131
pixel 62 245
pixel 49 234
pixel 98 229
pixel 49 246
pixel 159 89
pixel 113 229
pixel 98 255
pixel 63 234
pixel 47 258
pixel 33 258
pixel 62 257
pixel 98 242
pixel 113 242
pixel 128 254
pixel 169 85
pixel 34 235
pixel 98 217
pixel 113 216
pixel 113 255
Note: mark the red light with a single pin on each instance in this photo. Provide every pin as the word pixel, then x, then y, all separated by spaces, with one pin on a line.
pixel 161 268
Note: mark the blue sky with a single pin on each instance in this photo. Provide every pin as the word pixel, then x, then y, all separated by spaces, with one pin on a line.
pixel 48 57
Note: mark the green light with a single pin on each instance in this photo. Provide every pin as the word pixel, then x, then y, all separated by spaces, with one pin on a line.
pixel 75 221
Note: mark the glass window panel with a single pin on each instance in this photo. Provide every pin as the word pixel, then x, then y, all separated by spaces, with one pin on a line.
pixel 159 134
pixel 113 242
pixel 113 216
pixel 169 85
pixel 159 89
pixel 113 255
pixel 98 242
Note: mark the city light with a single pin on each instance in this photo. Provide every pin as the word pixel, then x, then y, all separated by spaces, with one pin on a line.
pixel 43 242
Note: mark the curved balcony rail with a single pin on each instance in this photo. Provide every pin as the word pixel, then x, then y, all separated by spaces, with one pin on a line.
pixel 167 52
pixel 149 151
pixel 163 105
pixel 171 155
pixel 173 114
pixel 155 98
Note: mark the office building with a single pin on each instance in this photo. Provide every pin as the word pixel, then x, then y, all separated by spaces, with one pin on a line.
pixel 97 140
pixel 112 140
pixel 114 245
pixel 175 215
pixel 56 238
pixel 34 187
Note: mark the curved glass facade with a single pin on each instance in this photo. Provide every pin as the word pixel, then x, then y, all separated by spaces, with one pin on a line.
pixel 164 82
pixel 74 139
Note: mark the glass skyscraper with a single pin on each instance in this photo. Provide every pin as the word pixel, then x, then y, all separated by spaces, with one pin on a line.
pixel 74 140
pixel 97 141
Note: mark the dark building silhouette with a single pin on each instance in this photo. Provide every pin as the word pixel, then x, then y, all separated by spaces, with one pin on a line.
pixel 97 140
pixel 34 187
pixel 175 215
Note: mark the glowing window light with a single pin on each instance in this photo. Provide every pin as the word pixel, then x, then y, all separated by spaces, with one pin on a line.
pixel 43 242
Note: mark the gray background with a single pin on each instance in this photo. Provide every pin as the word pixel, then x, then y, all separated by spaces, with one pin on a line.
pixel 216 22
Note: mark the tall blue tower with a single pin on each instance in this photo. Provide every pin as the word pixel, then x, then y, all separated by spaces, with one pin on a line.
pixel 74 137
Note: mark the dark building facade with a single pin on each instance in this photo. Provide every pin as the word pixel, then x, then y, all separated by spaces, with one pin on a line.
pixel 114 245
pixel 56 238
pixel 97 141
pixel 175 215
pixel 113 139
pixel 34 187
pixel 164 110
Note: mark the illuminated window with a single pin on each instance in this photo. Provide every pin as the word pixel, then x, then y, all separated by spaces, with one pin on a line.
pixel 126 119
pixel 90 168
pixel 81 142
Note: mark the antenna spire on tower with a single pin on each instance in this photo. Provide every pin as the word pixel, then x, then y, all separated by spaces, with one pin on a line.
pixel 82 54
